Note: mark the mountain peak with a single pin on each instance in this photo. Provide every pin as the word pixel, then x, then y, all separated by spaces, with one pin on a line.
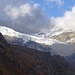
pixel 10 32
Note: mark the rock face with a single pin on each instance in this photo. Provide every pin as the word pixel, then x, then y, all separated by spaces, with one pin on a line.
pixel 38 46
pixel 14 40
pixel 2 39
pixel 19 60
pixel 65 37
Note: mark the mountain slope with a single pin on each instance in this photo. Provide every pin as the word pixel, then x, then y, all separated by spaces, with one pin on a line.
pixel 71 59
pixel 19 60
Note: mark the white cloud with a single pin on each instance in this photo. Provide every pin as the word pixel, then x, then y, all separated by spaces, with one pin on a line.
pixel 59 2
pixel 21 11
pixel 24 9
pixel 67 21
pixel 15 12
pixel 12 11
pixel 27 18
pixel 15 3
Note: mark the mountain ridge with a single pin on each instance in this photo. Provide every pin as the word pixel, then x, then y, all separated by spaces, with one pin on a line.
pixel 10 32
pixel 55 45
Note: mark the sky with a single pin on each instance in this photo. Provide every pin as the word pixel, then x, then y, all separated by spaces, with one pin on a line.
pixel 34 16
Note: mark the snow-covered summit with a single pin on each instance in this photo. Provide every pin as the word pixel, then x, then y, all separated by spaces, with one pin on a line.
pixel 10 32
pixel 56 30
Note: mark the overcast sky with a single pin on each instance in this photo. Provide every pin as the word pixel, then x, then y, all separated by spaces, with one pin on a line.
pixel 33 16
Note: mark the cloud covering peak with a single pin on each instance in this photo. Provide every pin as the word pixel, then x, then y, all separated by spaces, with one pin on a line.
pixel 67 21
